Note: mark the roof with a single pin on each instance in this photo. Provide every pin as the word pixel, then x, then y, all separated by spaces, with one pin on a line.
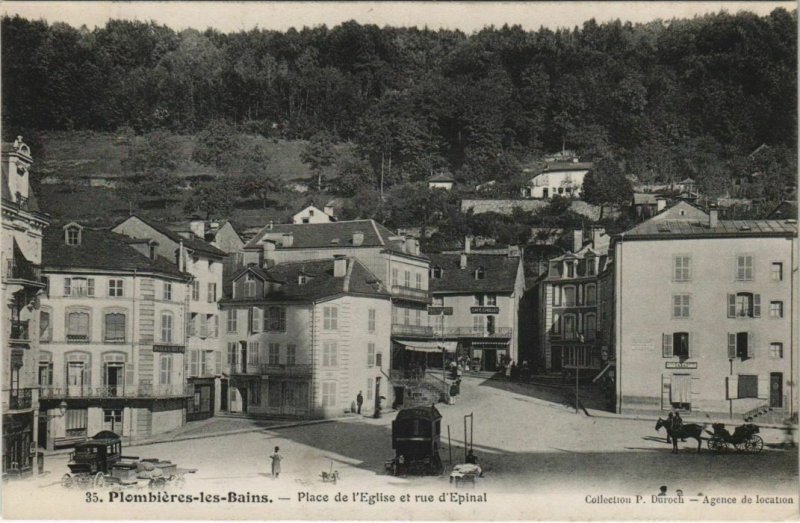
pixel 321 282
pixel 100 250
pixel 725 228
pixel 500 273
pixel 192 242
pixel 426 413
pixel 787 209
pixel 567 166
pixel 441 177
pixel 643 198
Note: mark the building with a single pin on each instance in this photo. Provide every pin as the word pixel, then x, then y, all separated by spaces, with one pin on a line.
pixel 705 315
pixel 441 180
pixel 312 214
pixel 480 295
pixel 204 262
pixel 112 334
pixel 305 337
pixel 570 330
pixel 556 178
pixel 23 285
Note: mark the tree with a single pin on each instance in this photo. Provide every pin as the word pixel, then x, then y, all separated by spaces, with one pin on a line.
pixel 352 174
pixel 217 145
pixel 606 185
pixel 318 154
pixel 213 199
pixel 151 168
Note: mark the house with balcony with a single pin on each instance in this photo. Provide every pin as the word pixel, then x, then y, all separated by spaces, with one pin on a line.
pixel 706 316
pixel 112 335
pixel 304 337
pixel 22 286
pixel 193 255
pixel 556 177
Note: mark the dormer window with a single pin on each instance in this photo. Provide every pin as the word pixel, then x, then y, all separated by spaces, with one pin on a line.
pixel 480 273
pixel 72 234
pixel 302 279
pixel 590 266
pixel 436 273
pixel 249 285
pixel 152 251
pixel 570 270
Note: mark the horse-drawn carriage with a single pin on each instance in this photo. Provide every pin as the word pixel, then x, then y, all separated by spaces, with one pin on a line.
pixel 98 462
pixel 416 434
pixel 745 437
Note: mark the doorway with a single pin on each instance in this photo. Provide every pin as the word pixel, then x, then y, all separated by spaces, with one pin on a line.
pixel 223 396
pixel 489 360
pixel 112 420
pixel 114 378
pixel 776 390
pixel 555 359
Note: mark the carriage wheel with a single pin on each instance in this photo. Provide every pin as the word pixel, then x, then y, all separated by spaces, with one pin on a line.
pixel 754 444
pixel 67 481
pixel 716 444
pixel 99 480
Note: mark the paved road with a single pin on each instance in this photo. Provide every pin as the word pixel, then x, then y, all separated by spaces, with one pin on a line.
pixel 525 444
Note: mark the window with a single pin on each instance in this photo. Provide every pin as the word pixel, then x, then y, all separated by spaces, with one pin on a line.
pixel 274 353
pixel 480 273
pixel 256 319
pixel 591 295
pixel 569 296
pixel 212 292
pixel 776 309
pixel 67 287
pixel 569 327
pixel 491 299
pixel 79 287
pixel 744 268
pixel 76 421
pixel 555 327
pixel 167 291
pixel 479 299
pixel 406 316
pixel 418 317
pixel 232 320
pixel 407 278
pixel 557 296
pixel 777 271
pixel 115 328
pixel 776 351
pixel 45 328
pixel 291 354
pixel 438 301
pixel 193 357
pixel 328 393
pixel 249 286
pixel 232 351
pixel 395 272
pixel 73 236
pixel 166 327
pixel 681 269
pixel 90 287
pixel 436 272
pixel 112 416
pixel 680 305
pixel 77 327
pixel 570 269
pixel 195 290
pixel 478 324
pixel 330 318
pixel 748 386
pixel 213 325
pixel 369 388
pixel 590 266
pixel 591 327
pixel 379 359
pixel 115 288
pixel 744 305
pixel 329 354
pixel 370 354
pixel 740 345
pixel 371 320
pixel 165 376
pixel 275 320
pixel 203 326
pixel 252 353
pixel 676 344
pixel 490 324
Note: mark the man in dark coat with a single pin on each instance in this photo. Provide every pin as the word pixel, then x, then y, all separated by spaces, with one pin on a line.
pixel 359 401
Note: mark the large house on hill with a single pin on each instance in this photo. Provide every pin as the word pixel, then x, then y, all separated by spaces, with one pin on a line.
pixel 562 177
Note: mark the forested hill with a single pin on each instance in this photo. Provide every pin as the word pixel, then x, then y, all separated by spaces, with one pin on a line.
pixel 665 99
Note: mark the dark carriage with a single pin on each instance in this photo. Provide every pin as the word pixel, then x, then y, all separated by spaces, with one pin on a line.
pixel 416 438
pixel 744 438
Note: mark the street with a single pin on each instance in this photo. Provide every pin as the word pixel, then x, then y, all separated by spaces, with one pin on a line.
pixel 525 444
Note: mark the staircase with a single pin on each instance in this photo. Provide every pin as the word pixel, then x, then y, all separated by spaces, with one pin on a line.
pixel 766 415
pixel 423 391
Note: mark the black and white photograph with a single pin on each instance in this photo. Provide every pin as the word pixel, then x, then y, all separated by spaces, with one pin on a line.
pixel 399 261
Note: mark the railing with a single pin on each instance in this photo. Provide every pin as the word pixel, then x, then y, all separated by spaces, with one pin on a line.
pixel 285 370
pixel 77 338
pixel 410 293
pixel 22 270
pixel 476 332
pixel 117 391
pixel 19 399
pixel 19 330
pixel 412 330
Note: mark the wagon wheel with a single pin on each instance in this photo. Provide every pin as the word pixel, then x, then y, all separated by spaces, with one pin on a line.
pixel 67 481
pixel 716 444
pixel 754 444
pixel 99 480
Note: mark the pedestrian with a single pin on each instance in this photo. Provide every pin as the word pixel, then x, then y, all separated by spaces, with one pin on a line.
pixel 276 462
pixel 662 490
pixel 359 401
pixel 670 419
pixel 677 423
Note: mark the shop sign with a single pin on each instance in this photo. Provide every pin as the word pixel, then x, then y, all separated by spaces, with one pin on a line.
pixel 484 310
pixel 175 349
pixel 440 311
pixel 681 364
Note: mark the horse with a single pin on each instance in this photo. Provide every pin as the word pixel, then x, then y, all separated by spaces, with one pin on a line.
pixel 688 430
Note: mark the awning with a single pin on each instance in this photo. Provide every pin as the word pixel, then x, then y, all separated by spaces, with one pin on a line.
pixel 429 346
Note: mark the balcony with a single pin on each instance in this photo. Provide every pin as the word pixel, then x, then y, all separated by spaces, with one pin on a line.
pixel 410 293
pixel 303 371
pixel 475 332
pixel 20 331
pixel 77 338
pixel 18 269
pixel 117 391
pixel 20 399
pixel 412 330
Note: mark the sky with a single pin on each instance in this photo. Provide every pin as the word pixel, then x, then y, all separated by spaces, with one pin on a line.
pixel 467 16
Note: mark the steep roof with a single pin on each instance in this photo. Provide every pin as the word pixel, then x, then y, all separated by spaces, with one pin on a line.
pixel 333 234
pixel 101 250
pixel 321 281
pixel 500 273
pixel 786 210
pixel 192 242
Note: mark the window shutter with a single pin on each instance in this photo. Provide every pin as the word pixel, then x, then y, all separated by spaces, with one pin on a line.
pixel 87 375
pixel 250 319
pixel 217 362
pixel 666 389
pixel 756 305
pixel 731 305
pixel 751 342
pixel 666 345
pixel 690 345
pixel 731 346
pixel 733 387
pixel 105 374
pixel 216 325
pixel 763 387
pixel 129 374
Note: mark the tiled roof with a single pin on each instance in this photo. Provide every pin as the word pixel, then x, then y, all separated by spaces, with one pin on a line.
pixel 724 228
pixel 500 273
pixel 568 166
pixel 786 210
pixel 321 282
pixel 102 250
pixel 192 242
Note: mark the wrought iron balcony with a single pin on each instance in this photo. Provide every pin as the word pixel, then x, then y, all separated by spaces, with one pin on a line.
pixel 20 399
pixel 411 293
pixel 412 330
pixel 20 330
pixel 477 332
pixel 20 269
pixel 77 338
pixel 117 391
pixel 286 370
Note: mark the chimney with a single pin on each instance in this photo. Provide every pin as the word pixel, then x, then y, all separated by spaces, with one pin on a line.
pixel 358 238
pixel 713 217
pixel 198 228
pixel 180 256
pixel 408 245
pixel 463 262
pixel 467 244
pixel 661 204
pixel 287 239
pixel 267 254
pixel 339 265
pixel 577 240
pixel 416 247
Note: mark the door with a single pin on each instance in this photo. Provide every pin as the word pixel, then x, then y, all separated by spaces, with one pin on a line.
pixel 490 360
pixel 243 394
pixel 112 420
pixel 115 379
pixel 555 359
pixel 75 378
pixel 42 440
pixel 776 389
pixel 223 396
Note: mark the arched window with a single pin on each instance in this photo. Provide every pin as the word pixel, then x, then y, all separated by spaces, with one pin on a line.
pixel 569 296
pixel 45 325
pixel 78 322
pixel 114 327
pixel 480 273
pixel 166 326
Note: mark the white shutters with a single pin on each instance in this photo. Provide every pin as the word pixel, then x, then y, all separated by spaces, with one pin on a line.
pixel 731 345
pixel 666 389
pixel 756 305
pixel 731 305
pixel 733 387
pixel 763 387
pixel 666 345
pixel 256 319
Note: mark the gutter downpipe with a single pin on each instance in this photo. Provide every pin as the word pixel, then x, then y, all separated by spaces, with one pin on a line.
pixel 618 321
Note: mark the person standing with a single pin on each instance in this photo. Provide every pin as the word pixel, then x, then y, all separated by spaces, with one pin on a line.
pixel 276 462
pixel 359 401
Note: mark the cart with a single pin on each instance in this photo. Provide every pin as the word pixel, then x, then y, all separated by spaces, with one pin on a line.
pixel 744 438
pixel 415 439
pixel 98 462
